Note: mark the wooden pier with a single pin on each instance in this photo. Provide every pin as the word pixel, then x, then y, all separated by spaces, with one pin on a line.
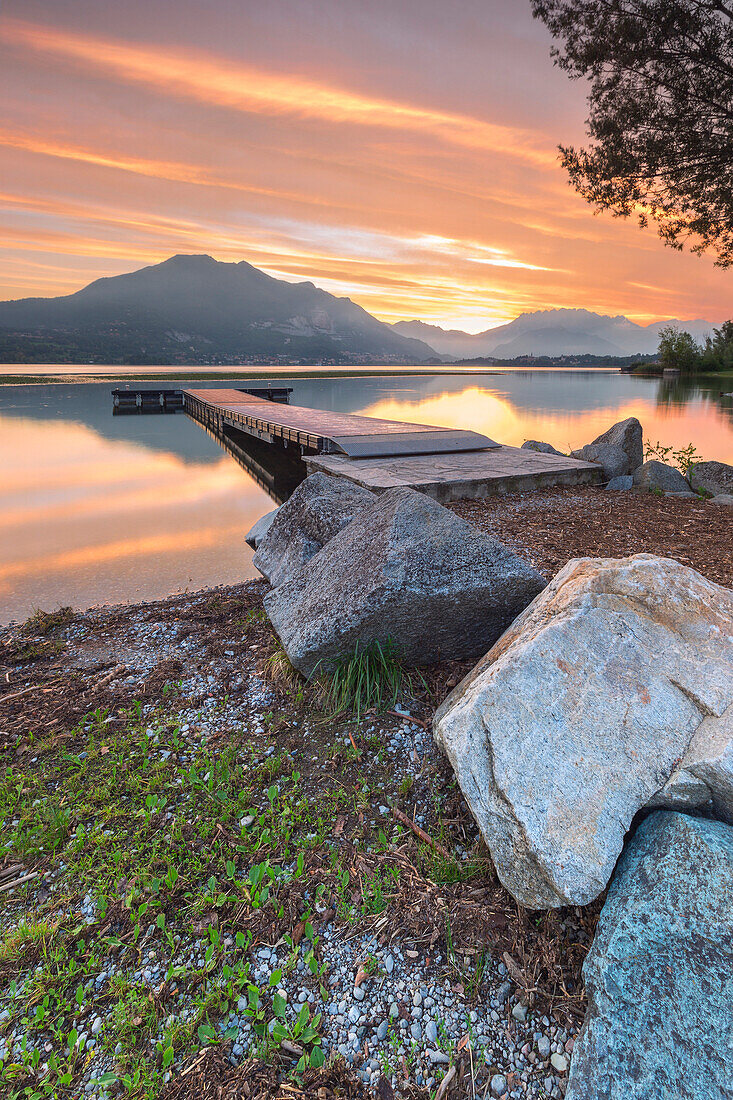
pixel 278 443
pixel 318 431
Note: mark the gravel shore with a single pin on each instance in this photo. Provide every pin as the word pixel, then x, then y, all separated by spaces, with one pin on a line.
pixel 219 863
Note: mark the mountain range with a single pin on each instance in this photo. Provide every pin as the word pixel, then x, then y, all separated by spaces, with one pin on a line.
pixel 194 309
pixel 551 332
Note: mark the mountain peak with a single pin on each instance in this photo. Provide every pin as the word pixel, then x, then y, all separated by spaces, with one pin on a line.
pixel 192 308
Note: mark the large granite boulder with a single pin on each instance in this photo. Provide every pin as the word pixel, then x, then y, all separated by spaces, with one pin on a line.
pixel 543 448
pixel 319 508
pixel 610 693
pixel 715 478
pixel 622 439
pixel 626 434
pixel 613 459
pixel 722 498
pixel 659 975
pixel 657 475
pixel 408 570
pixel 258 530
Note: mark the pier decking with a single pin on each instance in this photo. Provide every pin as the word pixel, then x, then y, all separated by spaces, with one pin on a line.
pixel 322 432
pixel 445 463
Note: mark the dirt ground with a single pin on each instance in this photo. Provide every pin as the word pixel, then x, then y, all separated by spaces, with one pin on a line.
pixel 553 526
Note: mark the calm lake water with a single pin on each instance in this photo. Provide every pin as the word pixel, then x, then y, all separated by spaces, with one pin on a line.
pixel 101 509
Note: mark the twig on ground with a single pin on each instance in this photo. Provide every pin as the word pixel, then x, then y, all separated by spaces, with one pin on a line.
pixel 446 1083
pixel 113 675
pixel 19 881
pixel 425 837
pixel 410 718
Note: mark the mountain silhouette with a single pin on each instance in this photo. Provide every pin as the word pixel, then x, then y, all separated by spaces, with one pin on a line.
pixel 551 332
pixel 192 309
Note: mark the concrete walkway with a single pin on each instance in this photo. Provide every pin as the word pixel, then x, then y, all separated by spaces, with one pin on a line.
pixel 467 476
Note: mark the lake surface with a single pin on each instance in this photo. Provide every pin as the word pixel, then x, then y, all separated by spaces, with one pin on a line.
pixel 101 509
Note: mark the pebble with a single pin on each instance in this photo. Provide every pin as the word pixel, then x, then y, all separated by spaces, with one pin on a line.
pixel 498 1084
pixel 559 1061
pixel 438 1058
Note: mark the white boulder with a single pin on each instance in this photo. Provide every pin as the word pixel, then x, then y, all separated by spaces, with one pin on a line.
pixel 610 693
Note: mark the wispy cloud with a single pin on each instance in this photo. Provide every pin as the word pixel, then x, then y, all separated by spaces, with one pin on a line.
pixel 216 80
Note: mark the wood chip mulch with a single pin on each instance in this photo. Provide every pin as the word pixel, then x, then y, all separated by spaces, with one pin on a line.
pixel 208 1075
pixel 552 526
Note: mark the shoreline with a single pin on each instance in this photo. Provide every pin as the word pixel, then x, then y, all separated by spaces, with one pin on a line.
pixel 189 811
pixel 305 373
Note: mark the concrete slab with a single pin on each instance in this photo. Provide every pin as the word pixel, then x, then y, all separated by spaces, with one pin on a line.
pixel 467 476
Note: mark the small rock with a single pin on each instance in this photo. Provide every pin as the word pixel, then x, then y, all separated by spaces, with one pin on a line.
pixel 621 483
pixel 438 1058
pixel 559 1061
pixel 519 1012
pixel 504 993
pixel 498 1084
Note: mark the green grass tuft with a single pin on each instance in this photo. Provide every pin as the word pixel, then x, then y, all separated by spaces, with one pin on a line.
pixel 372 678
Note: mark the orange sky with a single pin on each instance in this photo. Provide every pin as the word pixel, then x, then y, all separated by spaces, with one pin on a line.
pixel 401 154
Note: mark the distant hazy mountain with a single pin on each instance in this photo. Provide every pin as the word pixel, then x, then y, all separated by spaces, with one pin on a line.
pixel 551 332
pixel 192 309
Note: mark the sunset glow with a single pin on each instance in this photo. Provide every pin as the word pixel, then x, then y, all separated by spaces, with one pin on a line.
pixel 407 160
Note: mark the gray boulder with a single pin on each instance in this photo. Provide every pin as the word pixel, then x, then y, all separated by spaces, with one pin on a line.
pixel 612 692
pixel 657 475
pixel 408 570
pixel 722 498
pixel 625 482
pixel 627 435
pixel 712 477
pixel 258 530
pixel 622 438
pixel 319 508
pixel 613 459
pixel 659 975
pixel 543 448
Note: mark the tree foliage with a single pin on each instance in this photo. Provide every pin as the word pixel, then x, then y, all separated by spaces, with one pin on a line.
pixel 718 351
pixel 661 112
pixel 678 349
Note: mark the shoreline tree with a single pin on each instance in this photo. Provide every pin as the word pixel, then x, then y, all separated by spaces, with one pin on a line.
pixel 661 112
